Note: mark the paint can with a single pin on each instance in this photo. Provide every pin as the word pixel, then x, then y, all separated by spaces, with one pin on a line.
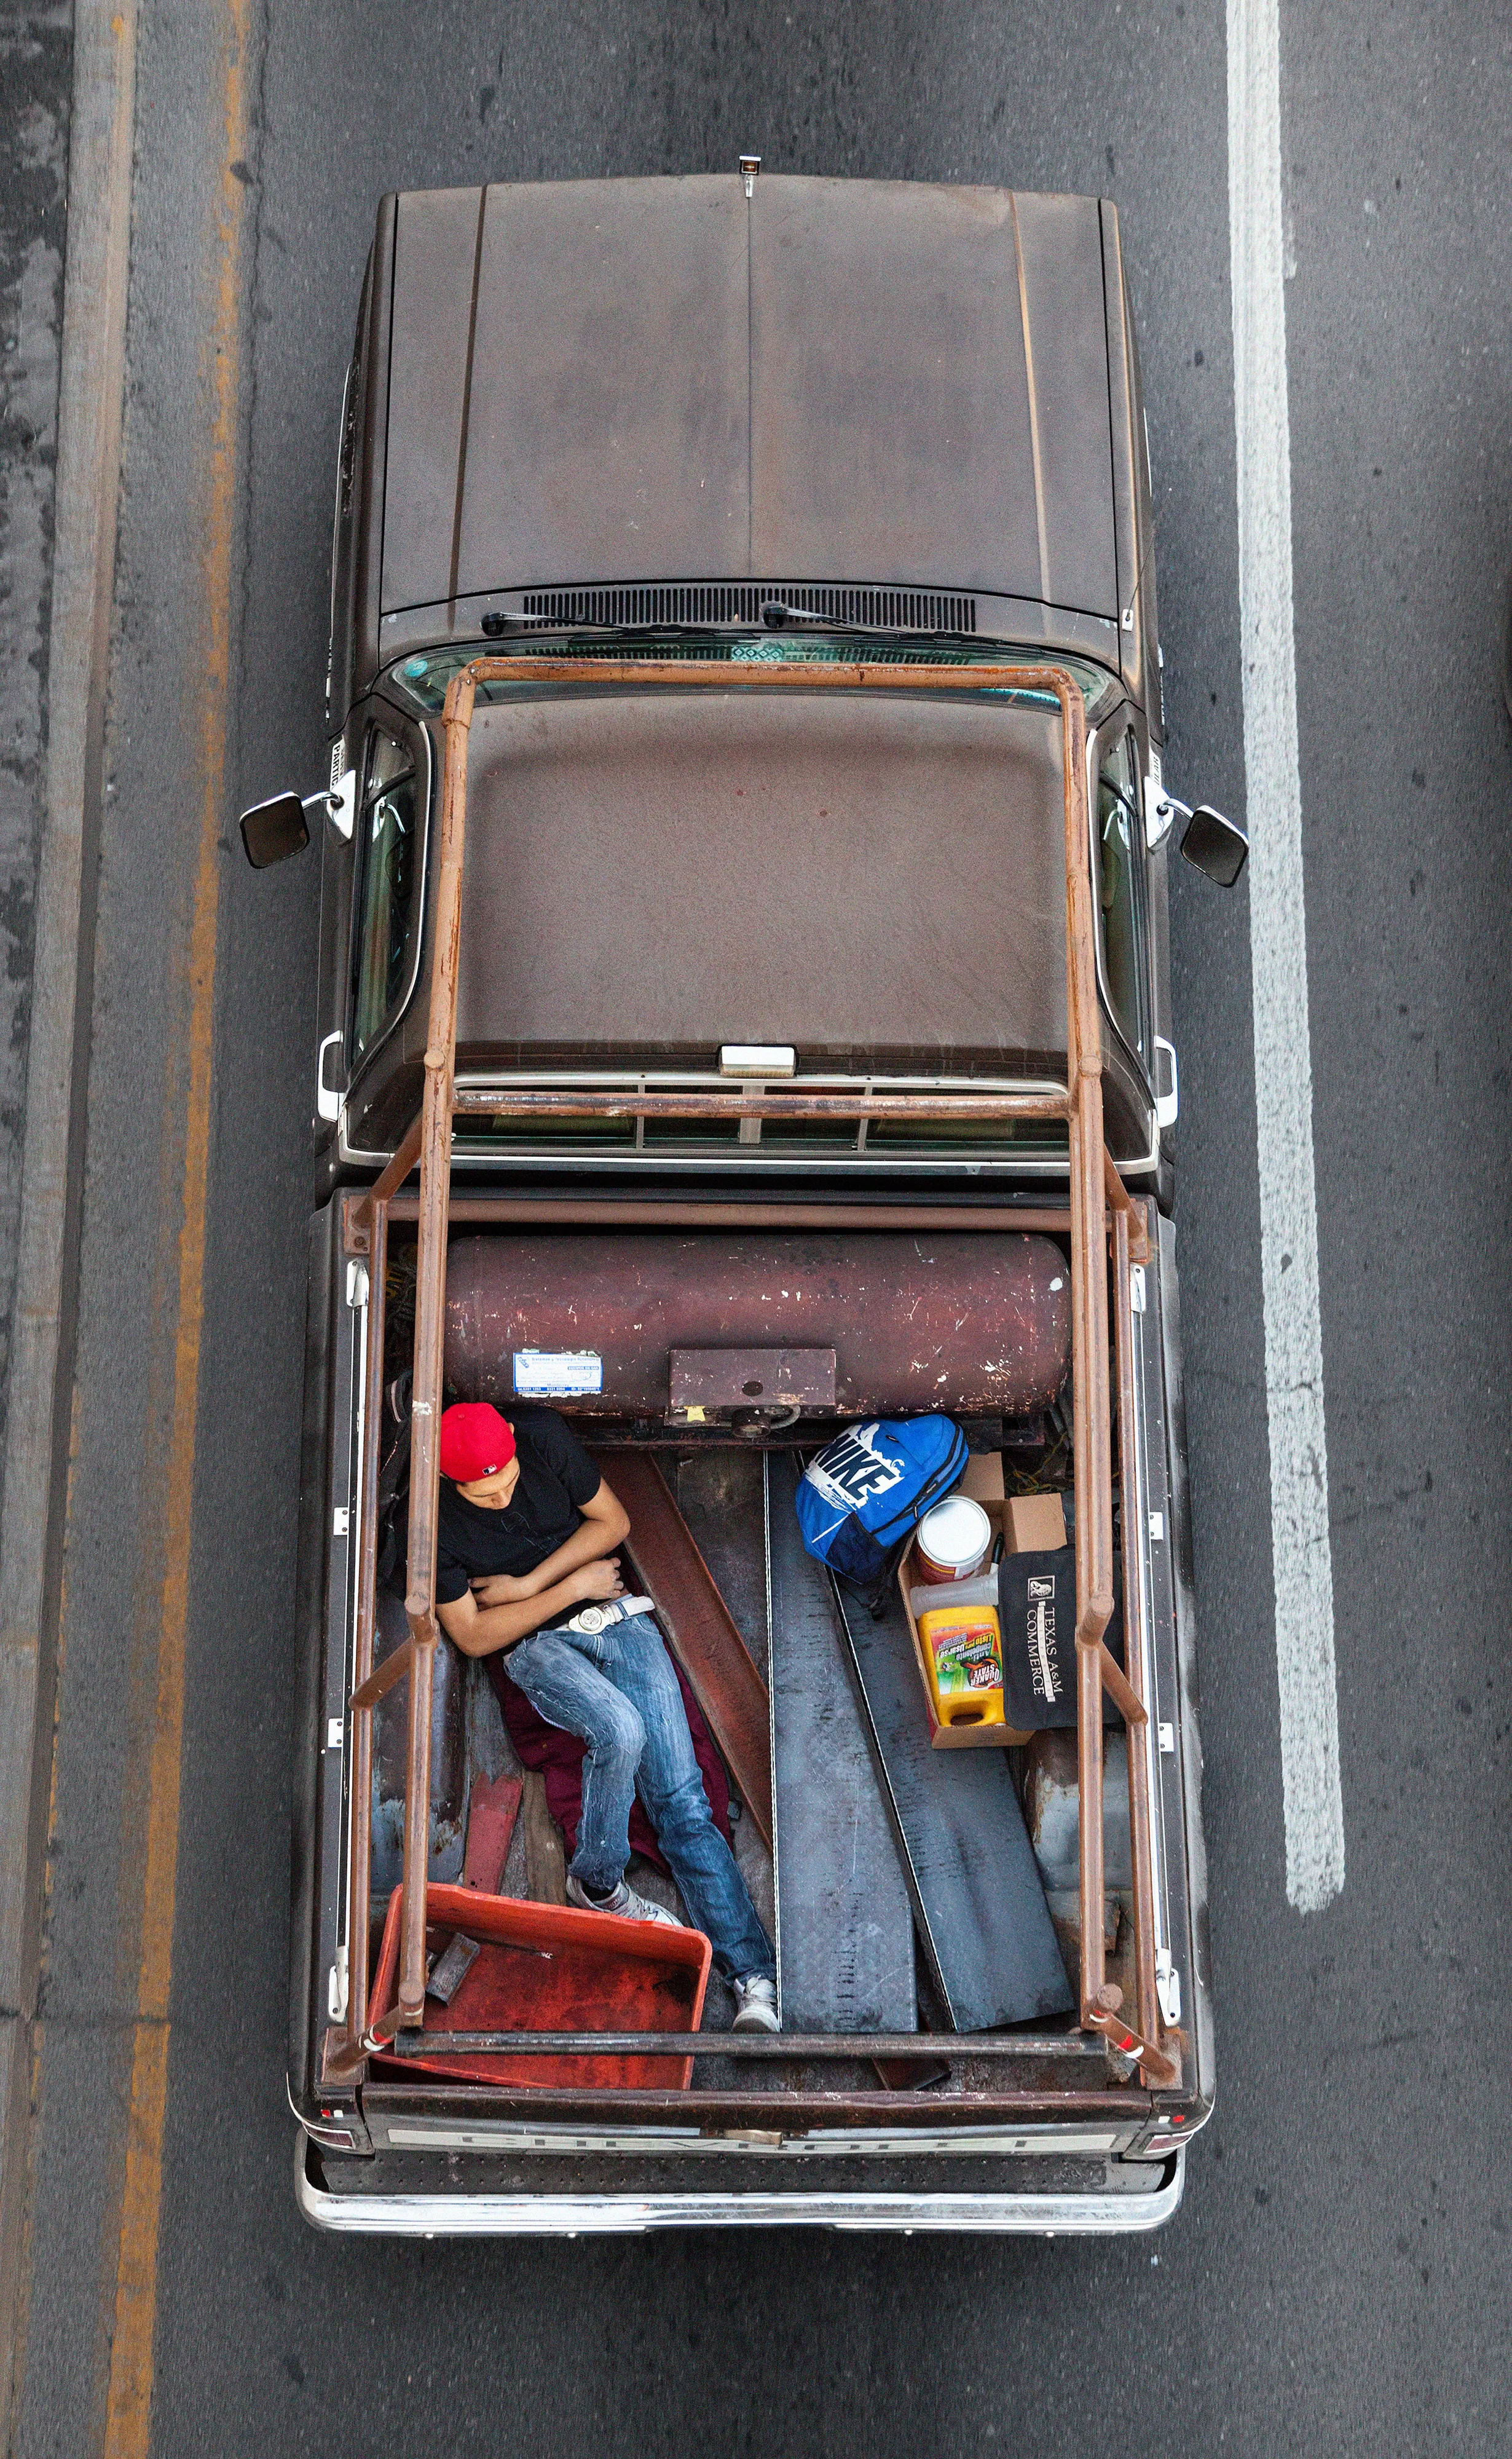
pixel 952 1542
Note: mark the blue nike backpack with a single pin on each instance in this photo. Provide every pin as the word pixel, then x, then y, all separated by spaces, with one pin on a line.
pixel 859 1498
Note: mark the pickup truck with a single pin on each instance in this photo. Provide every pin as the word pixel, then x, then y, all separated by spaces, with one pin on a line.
pixel 744 1011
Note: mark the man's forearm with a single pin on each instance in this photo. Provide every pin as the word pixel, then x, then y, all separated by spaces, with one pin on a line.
pixel 495 1626
pixel 588 1544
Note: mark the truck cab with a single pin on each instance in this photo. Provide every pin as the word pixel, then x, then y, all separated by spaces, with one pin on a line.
pixel 744 1013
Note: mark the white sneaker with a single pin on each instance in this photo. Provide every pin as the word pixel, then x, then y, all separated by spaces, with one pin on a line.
pixel 624 1903
pixel 756 2004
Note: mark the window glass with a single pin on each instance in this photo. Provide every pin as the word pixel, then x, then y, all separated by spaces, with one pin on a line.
pixel 387 917
pixel 989 1136
pixel 424 679
pixel 506 1134
pixel 1119 885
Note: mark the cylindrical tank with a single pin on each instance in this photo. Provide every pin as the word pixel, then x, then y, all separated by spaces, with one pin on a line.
pixel 973 1324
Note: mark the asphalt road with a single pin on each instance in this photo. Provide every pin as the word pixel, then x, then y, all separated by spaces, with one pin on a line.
pixel 34 59
pixel 1338 2279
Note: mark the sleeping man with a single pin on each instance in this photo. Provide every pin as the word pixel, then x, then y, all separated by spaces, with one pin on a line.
pixel 525 1561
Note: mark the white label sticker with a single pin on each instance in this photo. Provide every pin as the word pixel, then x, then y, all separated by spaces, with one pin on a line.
pixel 557 1373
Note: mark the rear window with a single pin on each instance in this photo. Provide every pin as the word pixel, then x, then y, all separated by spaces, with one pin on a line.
pixel 797 1140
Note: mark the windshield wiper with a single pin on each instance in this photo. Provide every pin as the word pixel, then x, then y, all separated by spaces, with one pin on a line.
pixel 776 617
pixel 494 627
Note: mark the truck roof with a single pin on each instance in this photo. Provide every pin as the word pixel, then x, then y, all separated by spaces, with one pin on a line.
pixel 877 881
pixel 888 383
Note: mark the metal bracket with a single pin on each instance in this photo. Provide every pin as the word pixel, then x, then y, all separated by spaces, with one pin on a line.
pixel 710 1386
pixel 1160 809
pixel 356 1238
pixel 341 804
pixel 1168 1987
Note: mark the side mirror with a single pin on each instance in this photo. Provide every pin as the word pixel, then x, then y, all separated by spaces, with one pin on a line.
pixel 274 830
pixel 1216 847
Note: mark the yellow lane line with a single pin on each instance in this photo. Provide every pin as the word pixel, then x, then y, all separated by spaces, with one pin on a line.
pixel 128 2398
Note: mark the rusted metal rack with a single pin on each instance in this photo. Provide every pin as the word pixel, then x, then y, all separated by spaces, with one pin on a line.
pixel 1107 1234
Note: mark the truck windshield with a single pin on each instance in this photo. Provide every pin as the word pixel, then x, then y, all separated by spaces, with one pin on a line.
pixel 385 919
pixel 424 678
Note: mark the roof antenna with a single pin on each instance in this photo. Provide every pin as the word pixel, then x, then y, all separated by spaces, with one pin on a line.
pixel 1126 618
pixel 749 166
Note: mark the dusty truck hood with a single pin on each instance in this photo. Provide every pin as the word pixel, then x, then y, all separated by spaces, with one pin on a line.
pixel 626 380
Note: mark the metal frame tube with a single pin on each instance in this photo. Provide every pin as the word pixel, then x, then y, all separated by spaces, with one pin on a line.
pixel 365 1210
pixel 1136 1716
pixel 1094 1185
pixel 425 1457
pixel 919 2047
pixel 549 1212
pixel 359 1857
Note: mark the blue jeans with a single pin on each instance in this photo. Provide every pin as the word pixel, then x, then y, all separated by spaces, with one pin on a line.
pixel 616 1690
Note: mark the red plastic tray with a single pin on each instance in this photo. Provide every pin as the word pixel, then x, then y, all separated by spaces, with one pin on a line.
pixel 550 1968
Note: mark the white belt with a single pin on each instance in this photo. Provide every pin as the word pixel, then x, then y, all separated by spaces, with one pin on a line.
pixel 596 1618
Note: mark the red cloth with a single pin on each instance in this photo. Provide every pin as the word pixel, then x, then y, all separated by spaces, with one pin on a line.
pixel 559 1758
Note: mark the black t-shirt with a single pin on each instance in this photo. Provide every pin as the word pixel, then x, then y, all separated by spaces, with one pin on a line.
pixel 555 1476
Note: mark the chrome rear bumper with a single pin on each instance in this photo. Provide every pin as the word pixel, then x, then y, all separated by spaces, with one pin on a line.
pixel 554 2214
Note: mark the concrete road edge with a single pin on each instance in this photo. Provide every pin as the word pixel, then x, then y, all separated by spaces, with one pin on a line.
pixel 33 1512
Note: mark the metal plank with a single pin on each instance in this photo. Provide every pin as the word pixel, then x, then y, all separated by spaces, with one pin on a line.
pixel 722 1495
pixel 976 1889
pixel 697 1624
pixel 845 1929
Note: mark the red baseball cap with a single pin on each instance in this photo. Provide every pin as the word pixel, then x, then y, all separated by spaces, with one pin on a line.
pixel 476 1442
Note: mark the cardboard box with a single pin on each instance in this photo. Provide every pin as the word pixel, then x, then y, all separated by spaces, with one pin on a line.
pixel 983 1480
pixel 1035 1525
pixel 1029 1524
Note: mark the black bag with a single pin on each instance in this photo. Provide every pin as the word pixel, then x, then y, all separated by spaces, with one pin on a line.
pixel 393 1488
pixel 1036 1617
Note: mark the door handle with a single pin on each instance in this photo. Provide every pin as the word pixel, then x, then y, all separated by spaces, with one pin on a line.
pixel 1166 1104
pixel 328 1105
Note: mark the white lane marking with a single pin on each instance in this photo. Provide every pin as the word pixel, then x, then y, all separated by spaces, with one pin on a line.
pixel 1294 1346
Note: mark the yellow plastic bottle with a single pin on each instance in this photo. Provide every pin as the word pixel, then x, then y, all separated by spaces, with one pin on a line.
pixel 962 1651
